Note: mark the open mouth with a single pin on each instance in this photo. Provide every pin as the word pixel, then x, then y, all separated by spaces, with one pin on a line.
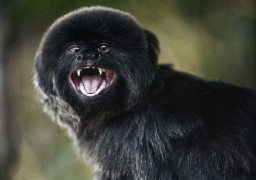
pixel 90 80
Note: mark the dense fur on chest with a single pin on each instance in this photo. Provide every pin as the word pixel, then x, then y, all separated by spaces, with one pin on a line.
pixel 97 74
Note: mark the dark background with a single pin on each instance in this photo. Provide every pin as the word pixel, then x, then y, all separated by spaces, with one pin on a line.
pixel 214 39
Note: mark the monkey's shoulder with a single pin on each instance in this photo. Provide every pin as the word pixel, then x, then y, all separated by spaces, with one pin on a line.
pixel 175 87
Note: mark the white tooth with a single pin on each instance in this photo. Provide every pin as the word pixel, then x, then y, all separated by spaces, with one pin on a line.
pixel 102 86
pixel 100 71
pixel 79 72
pixel 82 89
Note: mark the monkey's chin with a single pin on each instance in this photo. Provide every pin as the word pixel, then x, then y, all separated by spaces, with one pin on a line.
pixel 91 81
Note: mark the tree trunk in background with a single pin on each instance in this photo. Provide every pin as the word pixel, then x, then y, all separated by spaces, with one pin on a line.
pixel 7 143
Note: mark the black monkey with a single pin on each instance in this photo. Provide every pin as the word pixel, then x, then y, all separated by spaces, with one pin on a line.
pixel 97 74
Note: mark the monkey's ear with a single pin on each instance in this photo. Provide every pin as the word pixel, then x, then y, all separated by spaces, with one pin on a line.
pixel 153 46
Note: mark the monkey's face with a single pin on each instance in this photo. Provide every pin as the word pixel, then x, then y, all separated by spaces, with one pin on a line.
pixel 89 77
pixel 96 56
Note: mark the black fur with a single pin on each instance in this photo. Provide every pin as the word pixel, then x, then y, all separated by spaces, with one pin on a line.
pixel 153 122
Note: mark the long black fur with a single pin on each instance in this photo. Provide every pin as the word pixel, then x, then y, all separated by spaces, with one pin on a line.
pixel 154 123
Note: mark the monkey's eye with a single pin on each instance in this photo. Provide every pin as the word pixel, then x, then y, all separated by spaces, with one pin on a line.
pixel 104 48
pixel 74 49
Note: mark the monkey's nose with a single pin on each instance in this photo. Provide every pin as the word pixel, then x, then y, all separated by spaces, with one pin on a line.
pixel 93 56
pixel 88 56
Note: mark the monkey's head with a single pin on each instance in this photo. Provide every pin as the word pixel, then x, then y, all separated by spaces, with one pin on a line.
pixel 96 56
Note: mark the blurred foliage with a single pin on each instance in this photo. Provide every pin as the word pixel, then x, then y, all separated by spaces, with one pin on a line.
pixel 213 38
pixel 36 12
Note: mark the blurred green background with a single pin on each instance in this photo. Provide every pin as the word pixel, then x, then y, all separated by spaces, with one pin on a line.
pixel 214 39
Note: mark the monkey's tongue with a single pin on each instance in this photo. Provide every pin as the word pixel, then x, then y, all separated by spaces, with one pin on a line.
pixel 92 83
